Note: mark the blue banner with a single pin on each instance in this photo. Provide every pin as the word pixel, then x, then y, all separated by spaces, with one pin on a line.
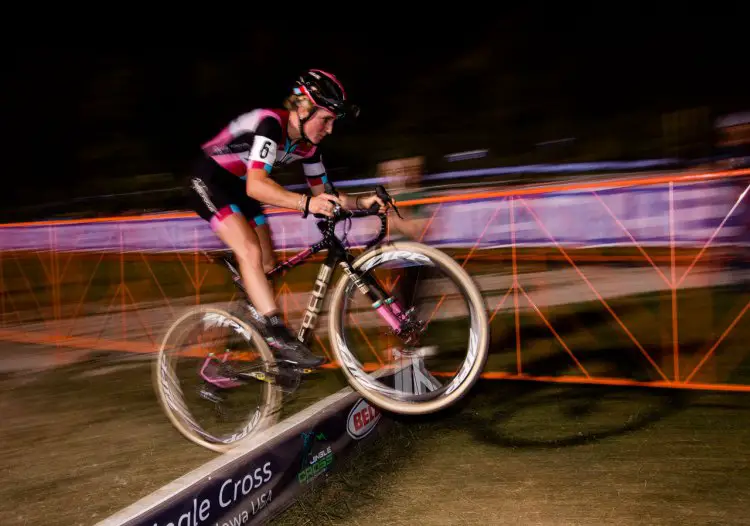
pixel 689 214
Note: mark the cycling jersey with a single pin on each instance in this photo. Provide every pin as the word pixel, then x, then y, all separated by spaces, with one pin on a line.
pixel 259 139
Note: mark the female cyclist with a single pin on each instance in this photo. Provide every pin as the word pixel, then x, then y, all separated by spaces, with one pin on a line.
pixel 232 179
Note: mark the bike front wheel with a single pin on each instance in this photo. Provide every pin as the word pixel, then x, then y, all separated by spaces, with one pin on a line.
pixel 470 340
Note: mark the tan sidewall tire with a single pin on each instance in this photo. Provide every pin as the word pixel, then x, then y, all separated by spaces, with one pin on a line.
pixel 475 299
pixel 271 395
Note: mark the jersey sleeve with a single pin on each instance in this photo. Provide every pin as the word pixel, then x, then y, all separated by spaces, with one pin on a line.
pixel 315 171
pixel 265 143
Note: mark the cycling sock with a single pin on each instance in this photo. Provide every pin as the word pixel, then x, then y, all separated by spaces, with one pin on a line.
pixel 275 320
pixel 276 327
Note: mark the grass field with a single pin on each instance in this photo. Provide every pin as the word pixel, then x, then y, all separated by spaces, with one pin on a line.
pixel 523 453
pixel 630 337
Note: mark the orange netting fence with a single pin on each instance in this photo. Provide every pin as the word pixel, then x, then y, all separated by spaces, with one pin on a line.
pixel 637 281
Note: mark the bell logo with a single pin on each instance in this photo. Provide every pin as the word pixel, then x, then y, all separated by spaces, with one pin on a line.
pixel 362 419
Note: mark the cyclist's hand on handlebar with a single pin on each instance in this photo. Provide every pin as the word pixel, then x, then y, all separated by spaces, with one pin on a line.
pixel 365 203
pixel 323 204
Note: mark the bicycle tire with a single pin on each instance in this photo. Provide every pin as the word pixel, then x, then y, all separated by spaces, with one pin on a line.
pixel 479 341
pixel 271 397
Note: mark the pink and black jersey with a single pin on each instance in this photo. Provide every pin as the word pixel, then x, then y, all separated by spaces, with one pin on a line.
pixel 258 139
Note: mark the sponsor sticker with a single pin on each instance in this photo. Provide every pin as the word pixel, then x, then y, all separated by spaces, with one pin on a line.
pixel 362 419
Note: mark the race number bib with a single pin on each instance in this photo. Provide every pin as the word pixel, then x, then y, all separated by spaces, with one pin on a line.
pixel 263 150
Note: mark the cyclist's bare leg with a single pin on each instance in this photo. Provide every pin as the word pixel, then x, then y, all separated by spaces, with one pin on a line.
pixel 268 258
pixel 240 236
pixel 267 254
pixel 247 246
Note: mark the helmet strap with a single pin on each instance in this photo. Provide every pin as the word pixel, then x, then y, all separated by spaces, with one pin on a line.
pixel 302 122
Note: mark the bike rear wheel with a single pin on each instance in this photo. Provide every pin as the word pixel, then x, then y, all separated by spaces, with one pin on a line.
pixel 474 354
pixel 239 342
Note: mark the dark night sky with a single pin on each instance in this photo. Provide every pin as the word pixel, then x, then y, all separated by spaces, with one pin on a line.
pixel 60 99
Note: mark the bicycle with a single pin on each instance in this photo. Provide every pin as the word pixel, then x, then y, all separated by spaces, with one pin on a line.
pixel 219 377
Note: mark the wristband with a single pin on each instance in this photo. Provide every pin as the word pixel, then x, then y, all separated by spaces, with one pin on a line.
pixel 306 210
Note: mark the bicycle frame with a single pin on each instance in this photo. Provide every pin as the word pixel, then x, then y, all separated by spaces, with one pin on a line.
pixel 386 305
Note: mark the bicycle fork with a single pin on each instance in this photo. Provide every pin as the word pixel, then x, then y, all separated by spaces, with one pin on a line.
pixel 384 304
pixel 387 306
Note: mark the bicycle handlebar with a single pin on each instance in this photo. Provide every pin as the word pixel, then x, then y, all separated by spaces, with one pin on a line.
pixel 328 224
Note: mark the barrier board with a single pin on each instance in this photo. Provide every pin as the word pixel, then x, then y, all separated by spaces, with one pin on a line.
pixel 257 481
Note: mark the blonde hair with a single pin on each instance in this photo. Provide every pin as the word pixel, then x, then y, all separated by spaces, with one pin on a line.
pixel 295 101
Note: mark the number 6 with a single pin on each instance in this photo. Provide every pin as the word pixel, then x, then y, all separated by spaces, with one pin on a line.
pixel 264 150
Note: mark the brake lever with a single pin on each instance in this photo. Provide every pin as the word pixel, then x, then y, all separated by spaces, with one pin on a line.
pixel 383 194
pixel 395 209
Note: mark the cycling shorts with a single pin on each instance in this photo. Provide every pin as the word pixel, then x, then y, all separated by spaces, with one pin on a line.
pixel 214 194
